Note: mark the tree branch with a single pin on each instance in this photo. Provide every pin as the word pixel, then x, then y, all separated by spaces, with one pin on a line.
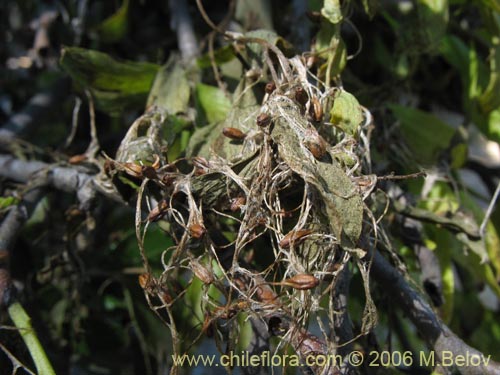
pixel 437 335
pixel 182 24
pixel 62 178
pixel 38 108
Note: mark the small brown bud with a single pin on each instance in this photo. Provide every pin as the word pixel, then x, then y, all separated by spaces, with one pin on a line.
pixel 315 143
pixel 237 203
pixel 157 212
pixel 316 111
pixel 301 282
pixel 294 237
pixel 77 159
pixel 149 172
pixel 234 133
pixel 201 272
pixel 109 165
pixel 197 230
pixel 144 280
pixel 270 87
pixel 156 164
pixel 266 294
pixel 301 96
pixel 263 120
pixel 167 179
pixel 132 169
pixel 201 162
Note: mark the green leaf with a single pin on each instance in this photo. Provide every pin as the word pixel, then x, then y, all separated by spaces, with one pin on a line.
pixel 330 46
pixel 212 101
pixel 426 134
pixel 493 124
pixel 493 4
pixel 370 7
pixel 7 202
pixel 464 60
pixel 114 85
pixel 346 113
pixel 114 28
pixel 332 11
pixel 170 89
pixel 221 56
pixel 489 100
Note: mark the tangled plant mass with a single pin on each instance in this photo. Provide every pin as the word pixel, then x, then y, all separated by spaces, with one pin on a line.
pixel 272 205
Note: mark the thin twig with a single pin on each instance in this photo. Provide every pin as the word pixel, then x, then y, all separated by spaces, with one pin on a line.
pixel 392 176
pixel 489 211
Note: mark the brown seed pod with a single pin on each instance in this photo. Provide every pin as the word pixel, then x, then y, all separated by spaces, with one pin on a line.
pixel 109 166
pixel 263 120
pixel 149 172
pixel 157 212
pixel 295 237
pixel 301 96
pixel 237 203
pixel 208 326
pixel 197 230
pixel 234 133
pixel 315 143
pixel 132 169
pixel 301 282
pixel 201 165
pixel 77 159
pixel 144 280
pixel 270 87
pixel 316 110
pixel 266 294
pixel 156 164
pixel 201 272
pixel 201 162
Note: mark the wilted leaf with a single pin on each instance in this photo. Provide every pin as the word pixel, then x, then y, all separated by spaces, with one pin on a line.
pixel 426 134
pixel 114 85
pixel 346 113
pixel 115 27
